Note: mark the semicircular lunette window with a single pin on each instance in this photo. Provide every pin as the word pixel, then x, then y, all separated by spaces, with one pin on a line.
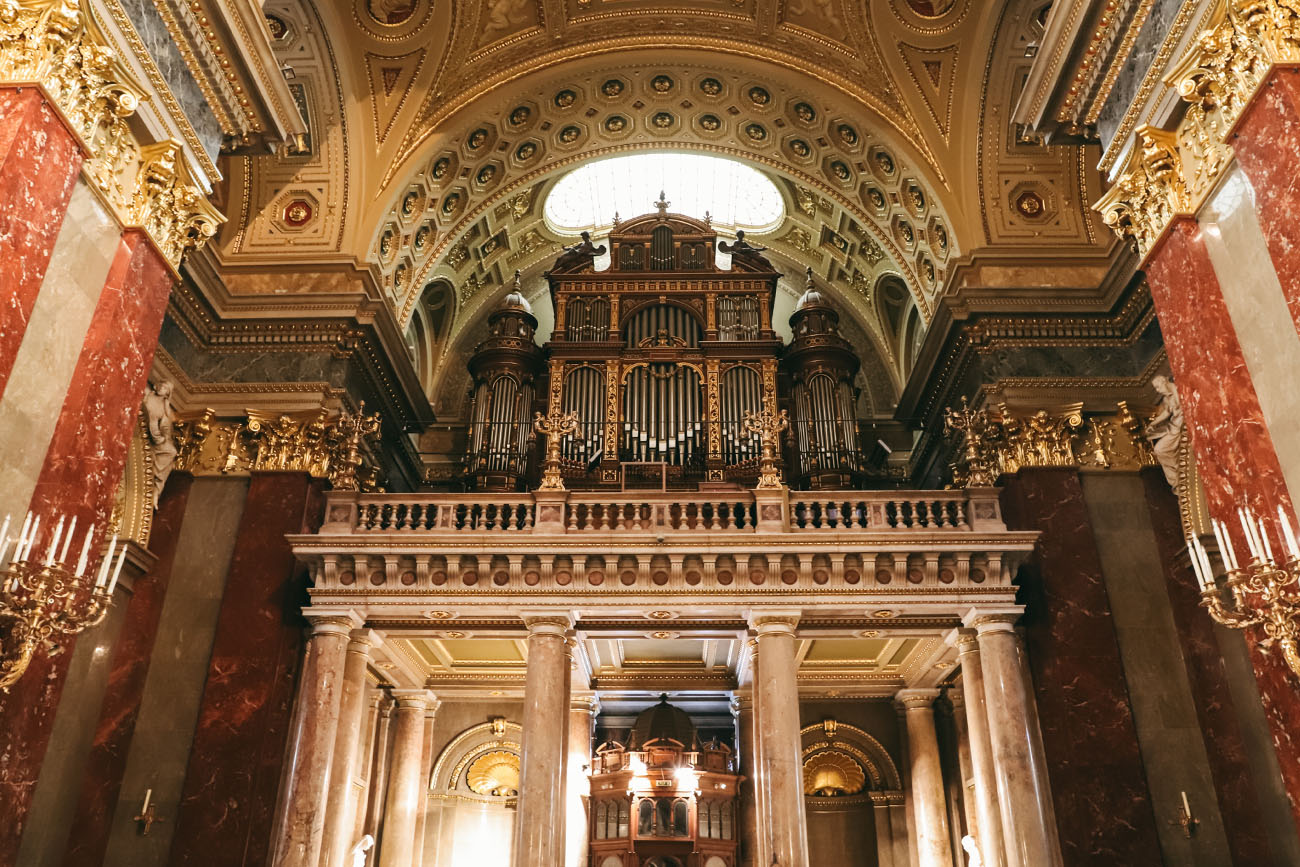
pixel 733 194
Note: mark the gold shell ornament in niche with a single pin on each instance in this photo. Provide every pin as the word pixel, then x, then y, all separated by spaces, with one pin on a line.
pixel 831 773
pixel 495 773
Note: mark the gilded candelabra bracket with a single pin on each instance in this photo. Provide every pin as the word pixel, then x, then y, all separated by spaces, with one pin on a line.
pixel 1262 593
pixel 767 425
pixel 976 466
pixel 41 597
pixel 555 425
pixel 345 436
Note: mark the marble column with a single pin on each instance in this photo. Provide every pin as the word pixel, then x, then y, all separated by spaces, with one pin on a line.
pixel 377 783
pixel 426 771
pixel 779 739
pixel 1024 794
pixel 988 817
pixel 366 761
pixel 405 795
pixel 965 771
pixel 341 804
pixel 742 707
pixel 930 804
pixel 582 721
pixel 300 824
pixel 539 822
pixel 79 476
pixel 39 163
pixel 238 752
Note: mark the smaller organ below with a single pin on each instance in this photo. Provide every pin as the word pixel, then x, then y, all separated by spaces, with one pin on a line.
pixel 663 799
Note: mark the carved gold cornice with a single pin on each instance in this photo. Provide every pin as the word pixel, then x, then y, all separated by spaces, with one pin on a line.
pixel 309 442
pixel 147 185
pixel 998 442
pixel 1170 172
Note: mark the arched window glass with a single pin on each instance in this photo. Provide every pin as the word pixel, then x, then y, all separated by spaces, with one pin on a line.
pixel 681 818
pixel 602 815
pixel 645 818
pixel 725 822
pixel 622 820
pixel 663 817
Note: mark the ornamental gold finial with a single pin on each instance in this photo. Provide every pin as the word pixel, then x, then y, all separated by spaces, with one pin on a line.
pixel 557 424
pixel 768 425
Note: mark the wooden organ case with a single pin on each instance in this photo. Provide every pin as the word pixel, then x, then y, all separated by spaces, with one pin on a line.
pixel 662 355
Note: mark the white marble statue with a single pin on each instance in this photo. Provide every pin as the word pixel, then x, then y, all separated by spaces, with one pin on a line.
pixel 1165 429
pixel 364 845
pixel 974 859
pixel 158 415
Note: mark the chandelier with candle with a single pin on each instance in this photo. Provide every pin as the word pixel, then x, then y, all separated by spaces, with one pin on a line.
pixel 44 596
pixel 1264 592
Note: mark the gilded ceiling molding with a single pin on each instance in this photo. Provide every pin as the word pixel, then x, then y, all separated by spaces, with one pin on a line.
pixel 146 185
pixel 1169 173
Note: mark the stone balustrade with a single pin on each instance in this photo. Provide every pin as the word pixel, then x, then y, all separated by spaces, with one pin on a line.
pixel 732 543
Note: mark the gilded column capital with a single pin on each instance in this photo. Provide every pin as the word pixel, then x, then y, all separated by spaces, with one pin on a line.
pixel 340 622
pixel 1150 192
pixel 774 622
pixel 993 619
pixel 552 623
pixel 965 640
pixel 365 640
pixel 589 703
pixel 916 699
pixel 413 699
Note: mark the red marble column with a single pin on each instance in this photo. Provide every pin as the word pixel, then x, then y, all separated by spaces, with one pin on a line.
pixel 80 475
pixel 39 162
pixel 126 679
pixel 1266 141
pixel 1099 787
pixel 228 801
pixel 1225 747
pixel 1234 451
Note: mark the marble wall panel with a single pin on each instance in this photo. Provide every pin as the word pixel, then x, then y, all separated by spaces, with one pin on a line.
pixel 152 750
pixel 843 836
pixel 1267 138
pixel 228 802
pixel 180 81
pixel 1164 709
pixel 39 163
pixel 95 792
pixel 44 364
pixel 1247 779
pixel 1143 53
pixel 1103 807
pixel 1232 442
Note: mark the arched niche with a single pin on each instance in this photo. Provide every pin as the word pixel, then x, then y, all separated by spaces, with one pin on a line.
pixel 472 794
pixel 853 794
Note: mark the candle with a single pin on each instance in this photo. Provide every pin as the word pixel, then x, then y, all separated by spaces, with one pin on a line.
pixel 148 793
pixel 1204 577
pixel 85 551
pixel 67 540
pixel 31 538
pixel 1187 808
pixel 102 578
pixel 1220 536
pixel 1250 533
pixel 1263 535
pixel 1292 548
pixel 118 571
pixel 54 541
pixel 1205 563
pixel 22 535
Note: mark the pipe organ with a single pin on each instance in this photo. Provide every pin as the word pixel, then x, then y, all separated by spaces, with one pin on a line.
pixel 661 357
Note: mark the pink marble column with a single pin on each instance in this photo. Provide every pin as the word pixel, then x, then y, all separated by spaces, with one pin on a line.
pixel 539 823
pixel 405 796
pixel 1265 141
pixel 742 707
pixel 341 803
pixel 780 745
pixel 366 762
pixel 988 822
pixel 426 771
pixel 966 772
pixel 79 476
pixel 932 842
pixel 1024 794
pixel 300 821
pixel 377 782
pixel 39 162
pixel 582 718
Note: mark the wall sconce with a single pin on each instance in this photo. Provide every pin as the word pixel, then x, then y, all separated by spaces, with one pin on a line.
pixel 148 814
pixel 1185 818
